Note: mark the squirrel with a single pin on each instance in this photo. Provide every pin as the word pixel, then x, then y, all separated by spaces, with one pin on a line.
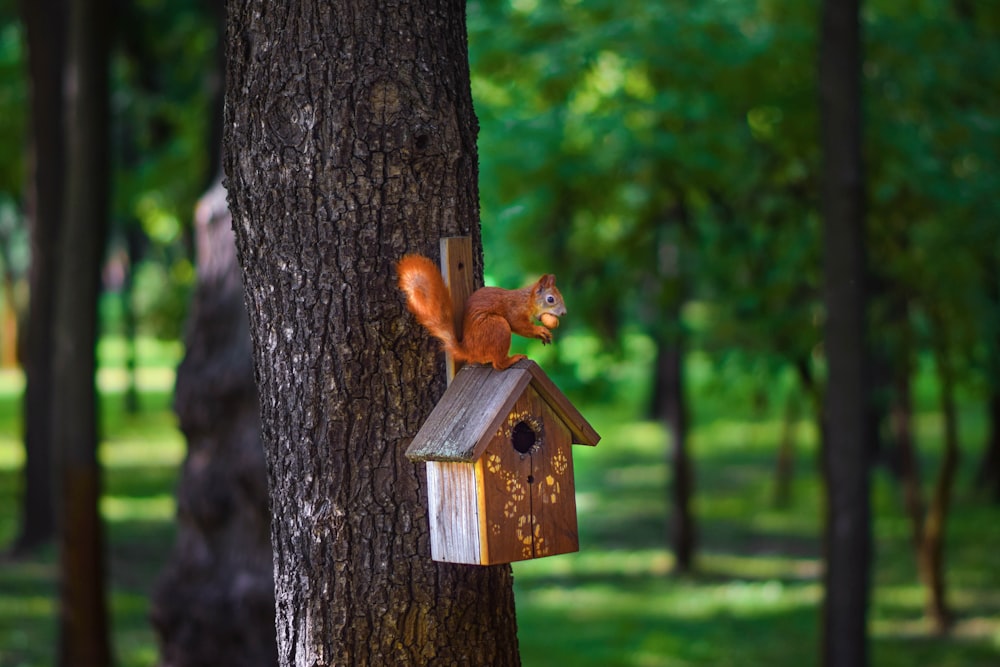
pixel 491 313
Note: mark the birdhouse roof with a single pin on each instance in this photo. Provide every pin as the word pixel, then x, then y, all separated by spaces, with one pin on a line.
pixel 476 404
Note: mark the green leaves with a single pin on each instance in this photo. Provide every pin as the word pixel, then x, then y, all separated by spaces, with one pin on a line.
pixel 606 123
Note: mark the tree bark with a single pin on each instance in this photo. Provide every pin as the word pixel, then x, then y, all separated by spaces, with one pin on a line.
pixel 213 604
pixel 45 29
pixel 350 140
pixel 903 442
pixel 988 477
pixel 682 524
pixel 83 626
pixel 846 450
pixel 669 400
pixel 932 549
pixel 784 466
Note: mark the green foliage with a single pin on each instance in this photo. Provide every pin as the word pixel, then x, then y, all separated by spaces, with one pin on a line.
pixel 637 149
pixel 165 81
pixel 13 104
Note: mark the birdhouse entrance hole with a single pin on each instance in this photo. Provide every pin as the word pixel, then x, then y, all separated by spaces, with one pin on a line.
pixel 523 437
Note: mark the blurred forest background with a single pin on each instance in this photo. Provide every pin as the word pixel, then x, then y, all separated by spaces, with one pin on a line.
pixel 662 159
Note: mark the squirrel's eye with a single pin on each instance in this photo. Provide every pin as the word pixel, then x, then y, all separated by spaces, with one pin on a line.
pixel 550 299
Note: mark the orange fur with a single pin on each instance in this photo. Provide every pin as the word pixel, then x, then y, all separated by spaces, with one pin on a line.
pixel 491 313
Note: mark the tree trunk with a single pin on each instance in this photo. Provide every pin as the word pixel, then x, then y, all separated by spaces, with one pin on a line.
pixel 988 477
pixel 669 397
pixel 909 464
pixel 681 528
pixel 784 467
pixel 83 626
pixel 45 29
pixel 932 550
pixel 846 450
pixel 134 242
pixel 350 140
pixel 989 470
pixel 214 602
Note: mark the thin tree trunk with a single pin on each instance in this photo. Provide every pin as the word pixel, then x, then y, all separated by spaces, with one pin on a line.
pixel 784 467
pixel 133 251
pixel 846 447
pixel 674 410
pixel 989 469
pixel 932 553
pixel 909 464
pixel 988 477
pixel 83 625
pixel 671 399
pixel 350 140
pixel 45 28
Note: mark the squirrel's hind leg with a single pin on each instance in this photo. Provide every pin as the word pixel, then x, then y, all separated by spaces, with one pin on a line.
pixel 487 341
pixel 504 363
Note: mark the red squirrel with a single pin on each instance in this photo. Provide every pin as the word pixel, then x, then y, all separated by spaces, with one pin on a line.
pixel 491 313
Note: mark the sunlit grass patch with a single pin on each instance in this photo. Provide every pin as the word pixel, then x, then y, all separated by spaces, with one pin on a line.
pixel 116 508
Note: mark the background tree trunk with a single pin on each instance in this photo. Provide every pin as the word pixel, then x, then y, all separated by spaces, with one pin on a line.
pixel 988 477
pixel 784 464
pixel 83 625
pixel 846 449
pixel 669 400
pixel 214 602
pixel 45 29
pixel 350 139
pixel 932 556
pixel 682 524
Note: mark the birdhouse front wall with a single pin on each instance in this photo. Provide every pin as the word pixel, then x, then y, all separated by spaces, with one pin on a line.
pixel 527 498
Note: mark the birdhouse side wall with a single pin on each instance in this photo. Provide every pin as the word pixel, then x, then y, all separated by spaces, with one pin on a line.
pixel 454 509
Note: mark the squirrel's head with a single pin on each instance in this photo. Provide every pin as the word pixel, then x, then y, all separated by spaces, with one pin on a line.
pixel 547 296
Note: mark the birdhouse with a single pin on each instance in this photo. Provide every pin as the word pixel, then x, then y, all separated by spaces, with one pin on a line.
pixel 499 461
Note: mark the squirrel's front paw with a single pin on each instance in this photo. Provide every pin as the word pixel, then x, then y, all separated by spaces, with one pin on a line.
pixel 544 335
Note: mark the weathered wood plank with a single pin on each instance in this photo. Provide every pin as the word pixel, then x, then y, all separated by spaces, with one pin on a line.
pixel 454 512
pixel 456 267
pixel 460 425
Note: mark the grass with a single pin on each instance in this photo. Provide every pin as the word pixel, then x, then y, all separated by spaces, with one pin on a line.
pixel 754 599
pixel 141 456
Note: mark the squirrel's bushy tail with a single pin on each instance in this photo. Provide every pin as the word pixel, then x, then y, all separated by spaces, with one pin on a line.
pixel 428 299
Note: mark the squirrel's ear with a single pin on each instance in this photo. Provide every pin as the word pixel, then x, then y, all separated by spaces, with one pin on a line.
pixel 547 281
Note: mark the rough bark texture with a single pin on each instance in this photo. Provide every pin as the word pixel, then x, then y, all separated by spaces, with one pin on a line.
pixel 350 139
pixel 214 601
pixel 846 451
pixel 45 28
pixel 83 625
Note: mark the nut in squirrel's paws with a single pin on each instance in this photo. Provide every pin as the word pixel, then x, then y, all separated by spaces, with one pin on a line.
pixel 549 320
